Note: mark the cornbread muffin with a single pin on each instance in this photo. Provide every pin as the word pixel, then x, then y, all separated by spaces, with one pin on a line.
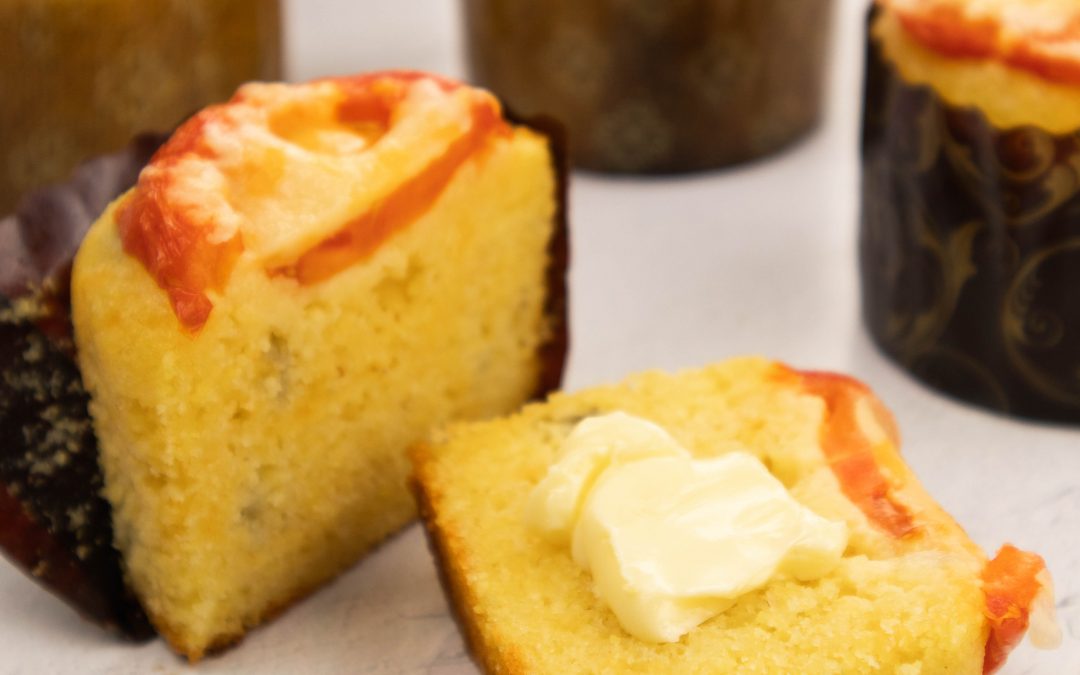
pixel 911 593
pixel 1017 61
pixel 970 203
pixel 302 283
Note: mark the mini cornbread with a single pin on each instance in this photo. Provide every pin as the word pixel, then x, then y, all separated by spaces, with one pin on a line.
pixel 909 592
pixel 302 283
pixel 969 203
pixel 1017 61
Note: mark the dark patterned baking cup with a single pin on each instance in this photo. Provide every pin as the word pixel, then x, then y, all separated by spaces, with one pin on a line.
pixel 657 87
pixel 970 248
pixel 54 523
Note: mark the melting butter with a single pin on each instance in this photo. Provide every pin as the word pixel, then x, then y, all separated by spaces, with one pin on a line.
pixel 672 541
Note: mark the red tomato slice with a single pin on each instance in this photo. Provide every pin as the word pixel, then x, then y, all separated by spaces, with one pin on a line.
pixel 177 248
pixel 1010 586
pixel 949 29
pixel 850 453
pixel 359 238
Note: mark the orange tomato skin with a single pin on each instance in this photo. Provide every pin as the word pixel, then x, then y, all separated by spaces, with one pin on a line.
pixel 361 237
pixel 1010 586
pixel 1054 68
pixel 1010 580
pixel 850 454
pixel 948 30
pixel 945 29
pixel 176 248
pixel 172 246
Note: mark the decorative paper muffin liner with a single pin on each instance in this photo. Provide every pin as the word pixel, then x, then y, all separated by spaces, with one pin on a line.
pixel 657 87
pixel 54 523
pixel 970 248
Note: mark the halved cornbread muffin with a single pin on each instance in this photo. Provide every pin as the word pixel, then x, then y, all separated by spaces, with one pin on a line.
pixel 303 282
pixel 909 594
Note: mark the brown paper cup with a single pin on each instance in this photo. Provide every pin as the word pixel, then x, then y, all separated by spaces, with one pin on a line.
pixel 645 86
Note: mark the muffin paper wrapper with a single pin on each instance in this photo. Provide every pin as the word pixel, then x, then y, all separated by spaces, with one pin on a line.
pixel 54 523
pixel 970 248
pixel 663 87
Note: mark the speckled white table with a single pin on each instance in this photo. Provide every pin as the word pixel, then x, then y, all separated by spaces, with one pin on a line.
pixel 666 273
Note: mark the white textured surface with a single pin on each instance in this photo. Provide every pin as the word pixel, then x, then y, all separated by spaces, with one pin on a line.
pixel 667 273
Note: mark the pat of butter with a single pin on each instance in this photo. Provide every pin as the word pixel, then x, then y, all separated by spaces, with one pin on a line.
pixel 672 541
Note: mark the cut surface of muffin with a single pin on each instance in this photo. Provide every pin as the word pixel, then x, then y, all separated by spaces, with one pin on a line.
pixel 304 281
pixel 909 595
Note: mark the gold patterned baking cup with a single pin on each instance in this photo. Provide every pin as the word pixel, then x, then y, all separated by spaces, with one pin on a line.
pixel 970 248
pixel 49 458
pixel 657 87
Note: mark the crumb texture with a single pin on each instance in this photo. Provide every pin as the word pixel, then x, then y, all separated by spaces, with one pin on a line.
pixel 251 462
pixel 910 605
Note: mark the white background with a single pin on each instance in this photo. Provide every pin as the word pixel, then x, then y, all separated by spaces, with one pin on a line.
pixel 666 273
